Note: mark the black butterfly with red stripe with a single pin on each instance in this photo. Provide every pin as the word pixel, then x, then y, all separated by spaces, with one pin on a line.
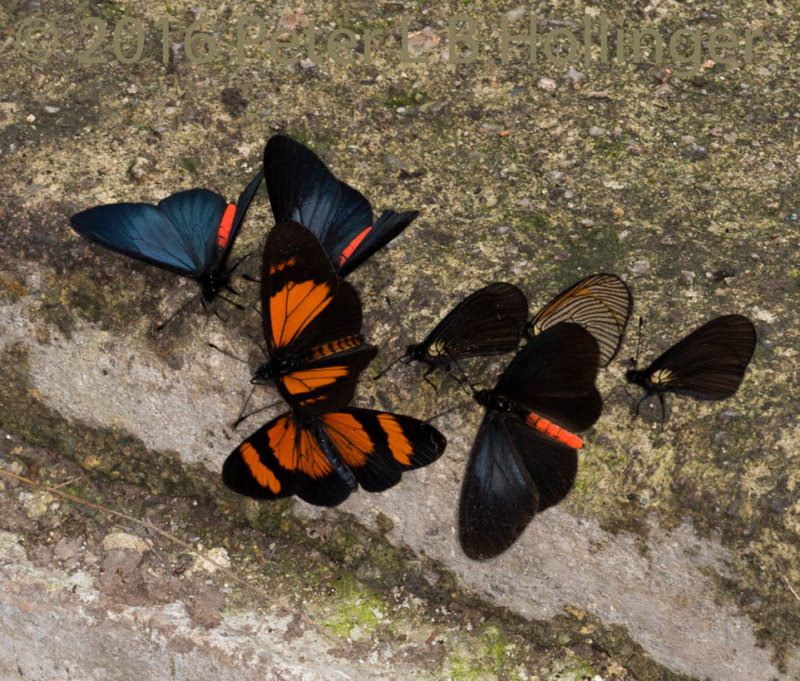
pixel 708 364
pixel 524 458
pixel 322 449
pixel 302 189
pixel 190 233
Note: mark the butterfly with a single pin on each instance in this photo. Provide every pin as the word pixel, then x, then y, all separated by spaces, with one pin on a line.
pixel 322 449
pixel 708 364
pixel 323 457
pixel 489 321
pixel 600 303
pixel 524 458
pixel 312 323
pixel 190 233
pixel 302 189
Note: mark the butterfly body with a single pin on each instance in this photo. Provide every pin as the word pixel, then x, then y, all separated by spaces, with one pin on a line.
pixel 524 457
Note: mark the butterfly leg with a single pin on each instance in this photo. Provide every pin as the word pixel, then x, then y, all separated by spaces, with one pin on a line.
pixel 231 302
pixel 429 371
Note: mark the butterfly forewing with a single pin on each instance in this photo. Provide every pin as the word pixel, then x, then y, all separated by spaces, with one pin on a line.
pixel 489 321
pixel 323 458
pixel 600 303
pixel 553 375
pixel 709 363
pixel 498 497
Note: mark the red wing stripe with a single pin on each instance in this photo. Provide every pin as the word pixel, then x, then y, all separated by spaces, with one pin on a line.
pixel 352 246
pixel 225 225
pixel 554 431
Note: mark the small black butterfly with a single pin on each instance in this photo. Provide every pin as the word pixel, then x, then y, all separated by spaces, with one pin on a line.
pixel 708 364
pixel 487 322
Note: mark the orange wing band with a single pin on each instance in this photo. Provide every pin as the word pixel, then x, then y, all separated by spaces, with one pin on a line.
pixel 400 447
pixel 263 475
pixel 294 307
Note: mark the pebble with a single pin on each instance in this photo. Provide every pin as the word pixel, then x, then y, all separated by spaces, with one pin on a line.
pixel 640 268
pixel 123 540
pixel 547 84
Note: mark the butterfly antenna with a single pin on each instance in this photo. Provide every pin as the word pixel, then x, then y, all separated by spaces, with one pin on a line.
pixel 239 262
pixel 448 411
pixel 231 302
pixel 635 360
pixel 377 376
pixel 161 326
pixel 228 354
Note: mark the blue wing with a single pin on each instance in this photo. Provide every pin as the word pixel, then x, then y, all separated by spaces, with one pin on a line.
pixel 177 235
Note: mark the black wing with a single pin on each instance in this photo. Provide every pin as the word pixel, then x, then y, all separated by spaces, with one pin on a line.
pixel 302 189
pixel 553 375
pixel 513 472
pixel 487 322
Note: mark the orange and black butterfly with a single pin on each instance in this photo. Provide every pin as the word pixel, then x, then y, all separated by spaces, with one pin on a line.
pixel 524 458
pixel 600 303
pixel 489 321
pixel 302 189
pixel 708 364
pixel 323 457
pixel 312 323
pixel 321 449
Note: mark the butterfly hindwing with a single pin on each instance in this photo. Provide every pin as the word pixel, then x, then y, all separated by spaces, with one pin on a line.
pixel 328 381
pixel 302 189
pixel 322 458
pixel 378 446
pixel 600 303
pixel 498 497
pixel 708 364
